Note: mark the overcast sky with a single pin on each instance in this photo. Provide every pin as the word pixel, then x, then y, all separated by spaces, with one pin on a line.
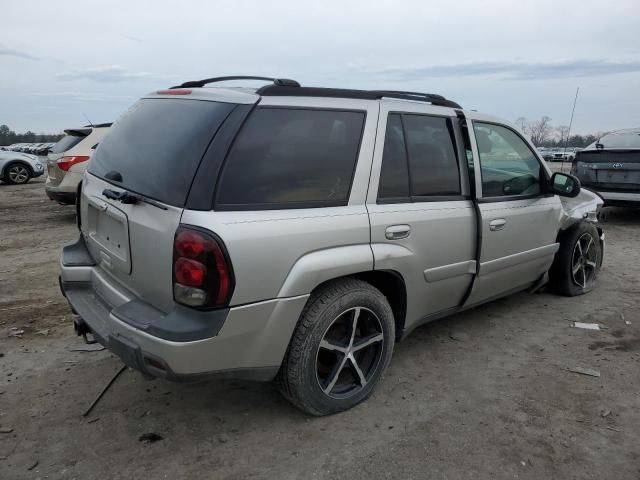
pixel 63 60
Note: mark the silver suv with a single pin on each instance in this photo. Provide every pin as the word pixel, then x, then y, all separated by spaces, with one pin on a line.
pixel 297 233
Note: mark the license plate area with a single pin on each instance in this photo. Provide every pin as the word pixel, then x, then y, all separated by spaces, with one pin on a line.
pixel 109 234
pixel 613 176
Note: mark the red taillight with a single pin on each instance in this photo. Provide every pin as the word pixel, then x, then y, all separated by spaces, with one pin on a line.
pixel 175 91
pixel 65 163
pixel 202 275
pixel 190 272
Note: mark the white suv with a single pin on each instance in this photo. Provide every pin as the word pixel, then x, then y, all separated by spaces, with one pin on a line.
pixel 68 160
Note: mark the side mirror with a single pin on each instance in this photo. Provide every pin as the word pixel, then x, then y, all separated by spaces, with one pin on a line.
pixel 565 185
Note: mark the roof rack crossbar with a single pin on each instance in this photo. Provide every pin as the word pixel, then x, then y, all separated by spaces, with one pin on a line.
pixel 201 83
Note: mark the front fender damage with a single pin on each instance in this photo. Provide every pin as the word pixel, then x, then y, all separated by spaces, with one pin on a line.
pixel 583 207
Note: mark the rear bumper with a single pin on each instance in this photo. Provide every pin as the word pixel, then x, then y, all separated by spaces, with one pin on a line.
pixel 248 341
pixel 61 197
pixel 618 198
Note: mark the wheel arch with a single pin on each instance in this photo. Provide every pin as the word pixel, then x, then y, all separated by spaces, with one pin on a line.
pixel 13 162
pixel 390 283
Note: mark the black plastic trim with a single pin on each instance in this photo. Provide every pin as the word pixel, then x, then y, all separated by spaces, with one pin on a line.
pixel 287 91
pixel 182 324
pixel 202 191
pixel 77 254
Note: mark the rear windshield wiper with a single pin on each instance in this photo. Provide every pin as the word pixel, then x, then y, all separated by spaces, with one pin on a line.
pixel 130 199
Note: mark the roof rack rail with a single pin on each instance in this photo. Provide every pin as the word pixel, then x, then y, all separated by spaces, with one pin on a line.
pixel 284 82
pixel 297 91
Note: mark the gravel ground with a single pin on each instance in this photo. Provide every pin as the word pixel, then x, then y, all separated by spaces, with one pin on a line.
pixel 486 394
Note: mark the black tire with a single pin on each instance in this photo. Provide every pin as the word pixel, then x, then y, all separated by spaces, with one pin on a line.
pixel 17 174
pixel 572 274
pixel 328 313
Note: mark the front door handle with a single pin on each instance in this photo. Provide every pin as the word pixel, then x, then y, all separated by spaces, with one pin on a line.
pixel 497 224
pixel 397 232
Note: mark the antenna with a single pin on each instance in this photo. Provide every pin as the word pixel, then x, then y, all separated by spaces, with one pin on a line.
pixel 566 141
pixel 90 124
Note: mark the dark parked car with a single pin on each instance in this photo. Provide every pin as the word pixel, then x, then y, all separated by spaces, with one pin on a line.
pixel 611 167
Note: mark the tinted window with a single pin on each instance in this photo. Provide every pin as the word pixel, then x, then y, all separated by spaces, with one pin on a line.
pixel 157 146
pixel 621 140
pixel 394 175
pixel 292 158
pixel 508 166
pixel 433 165
pixel 66 143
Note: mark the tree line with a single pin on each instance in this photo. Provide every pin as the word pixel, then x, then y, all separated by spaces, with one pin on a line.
pixel 9 137
pixel 544 134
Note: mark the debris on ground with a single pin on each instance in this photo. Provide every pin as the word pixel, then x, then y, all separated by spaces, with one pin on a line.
pixel 585 371
pixel 605 413
pixel 6 429
pixel 586 326
pixel 150 437
pixel 33 465
pixel 16 332
pixel 104 390
pixel 99 349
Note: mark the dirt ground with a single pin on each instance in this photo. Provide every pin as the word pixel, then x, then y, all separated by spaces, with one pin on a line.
pixel 483 394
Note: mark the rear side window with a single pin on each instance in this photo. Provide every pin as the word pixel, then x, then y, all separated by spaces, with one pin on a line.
pixel 419 159
pixel 157 146
pixel 291 158
pixel 67 143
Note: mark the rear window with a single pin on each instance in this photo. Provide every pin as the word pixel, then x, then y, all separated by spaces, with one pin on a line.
pixel 621 140
pixel 157 146
pixel 291 158
pixel 67 143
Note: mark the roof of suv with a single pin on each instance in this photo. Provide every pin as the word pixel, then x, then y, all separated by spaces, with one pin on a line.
pixel 291 88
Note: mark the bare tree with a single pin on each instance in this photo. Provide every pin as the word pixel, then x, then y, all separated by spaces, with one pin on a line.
pixel 522 124
pixel 540 130
pixel 563 132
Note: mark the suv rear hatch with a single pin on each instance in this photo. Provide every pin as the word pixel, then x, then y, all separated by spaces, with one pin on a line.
pixel 136 187
pixel 72 138
pixel 609 170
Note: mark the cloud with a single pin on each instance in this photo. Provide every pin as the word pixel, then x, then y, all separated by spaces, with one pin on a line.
pixel 517 70
pixel 10 52
pixel 81 97
pixel 108 74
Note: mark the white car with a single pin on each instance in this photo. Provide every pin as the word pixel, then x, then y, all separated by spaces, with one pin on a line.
pixel 68 160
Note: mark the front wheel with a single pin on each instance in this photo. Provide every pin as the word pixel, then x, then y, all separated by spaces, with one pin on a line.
pixel 340 348
pixel 577 263
pixel 17 174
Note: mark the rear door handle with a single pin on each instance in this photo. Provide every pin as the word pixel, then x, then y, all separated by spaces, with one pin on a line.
pixel 397 232
pixel 497 224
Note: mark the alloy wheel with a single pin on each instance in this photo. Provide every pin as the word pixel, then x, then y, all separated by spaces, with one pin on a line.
pixel 18 174
pixel 349 353
pixel 584 261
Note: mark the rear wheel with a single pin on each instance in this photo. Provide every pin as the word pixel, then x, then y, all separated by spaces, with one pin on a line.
pixel 578 261
pixel 17 174
pixel 340 348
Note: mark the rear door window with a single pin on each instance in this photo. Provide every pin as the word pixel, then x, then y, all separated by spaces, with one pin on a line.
pixel 419 161
pixel 157 146
pixel 433 163
pixel 291 158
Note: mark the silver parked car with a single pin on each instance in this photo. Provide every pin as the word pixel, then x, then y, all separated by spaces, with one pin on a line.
pixel 297 233
pixel 19 168
pixel 611 167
